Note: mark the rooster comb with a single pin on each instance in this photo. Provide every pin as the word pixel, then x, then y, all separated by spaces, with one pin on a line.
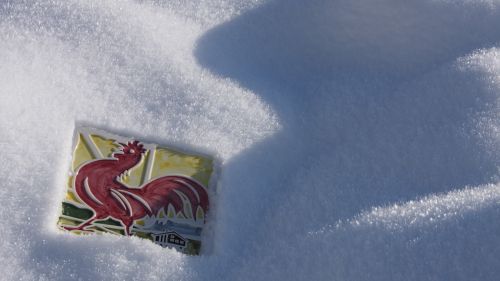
pixel 132 146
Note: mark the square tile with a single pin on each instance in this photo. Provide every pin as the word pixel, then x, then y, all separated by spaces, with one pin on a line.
pixel 123 186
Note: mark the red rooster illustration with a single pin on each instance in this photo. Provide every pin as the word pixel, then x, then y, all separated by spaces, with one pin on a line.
pixel 97 184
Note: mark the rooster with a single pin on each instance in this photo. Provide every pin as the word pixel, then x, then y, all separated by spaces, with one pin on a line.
pixel 97 184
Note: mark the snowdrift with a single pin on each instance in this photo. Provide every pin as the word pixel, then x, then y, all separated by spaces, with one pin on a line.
pixel 359 140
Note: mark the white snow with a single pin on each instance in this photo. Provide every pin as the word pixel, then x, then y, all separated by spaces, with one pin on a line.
pixel 359 140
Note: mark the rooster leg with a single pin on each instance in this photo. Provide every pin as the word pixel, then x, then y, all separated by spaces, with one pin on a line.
pixel 82 226
pixel 127 223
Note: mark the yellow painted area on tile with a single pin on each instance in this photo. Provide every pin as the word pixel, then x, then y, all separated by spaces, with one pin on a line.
pixel 105 146
pixel 64 221
pixel 81 153
pixel 70 196
pixel 167 161
pixel 170 214
pixel 69 184
pixel 199 213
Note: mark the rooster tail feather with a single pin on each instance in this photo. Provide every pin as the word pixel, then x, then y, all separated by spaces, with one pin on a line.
pixel 192 198
pixel 176 201
pixel 164 191
pixel 195 192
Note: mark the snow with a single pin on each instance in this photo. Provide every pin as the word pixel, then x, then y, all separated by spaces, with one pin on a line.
pixel 359 140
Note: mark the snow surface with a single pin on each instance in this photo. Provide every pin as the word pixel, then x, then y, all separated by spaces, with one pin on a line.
pixel 359 140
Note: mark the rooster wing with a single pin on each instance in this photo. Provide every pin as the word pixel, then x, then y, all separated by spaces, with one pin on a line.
pixel 159 193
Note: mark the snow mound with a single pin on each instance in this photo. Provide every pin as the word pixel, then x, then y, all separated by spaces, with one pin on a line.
pixel 359 140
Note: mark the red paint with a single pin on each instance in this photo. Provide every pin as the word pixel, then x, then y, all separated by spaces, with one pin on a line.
pixel 96 183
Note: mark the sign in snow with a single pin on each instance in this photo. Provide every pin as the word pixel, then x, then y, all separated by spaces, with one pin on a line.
pixel 126 187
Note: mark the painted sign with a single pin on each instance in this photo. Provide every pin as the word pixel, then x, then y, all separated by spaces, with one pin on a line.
pixel 123 186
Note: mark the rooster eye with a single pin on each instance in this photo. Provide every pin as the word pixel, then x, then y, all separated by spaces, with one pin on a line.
pixel 132 151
